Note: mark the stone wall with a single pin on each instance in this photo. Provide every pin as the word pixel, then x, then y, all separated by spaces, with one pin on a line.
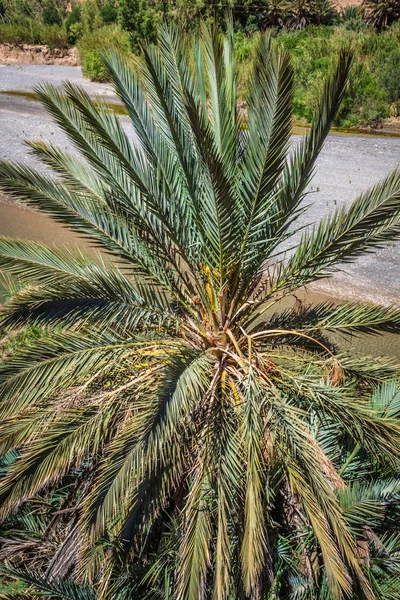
pixel 24 54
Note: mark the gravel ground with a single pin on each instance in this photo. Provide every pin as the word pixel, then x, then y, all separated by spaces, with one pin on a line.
pixel 348 165
pixel 26 77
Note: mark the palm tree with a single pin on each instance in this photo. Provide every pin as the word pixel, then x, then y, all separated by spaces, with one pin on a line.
pixel 275 14
pixel 168 368
pixel 300 13
pixel 381 13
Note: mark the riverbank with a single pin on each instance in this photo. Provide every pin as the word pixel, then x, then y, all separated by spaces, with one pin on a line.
pixel 372 100
pixel 25 54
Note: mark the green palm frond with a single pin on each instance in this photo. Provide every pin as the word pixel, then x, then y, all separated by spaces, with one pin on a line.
pixel 300 164
pixel 57 362
pixel 255 541
pixel 371 221
pixel 154 436
pixel 347 317
pixel 43 588
pixel 386 399
pixel 365 504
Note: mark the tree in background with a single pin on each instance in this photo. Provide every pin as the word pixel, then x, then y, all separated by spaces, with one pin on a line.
pixel 381 13
pixel 300 13
pixel 275 15
pixel 140 18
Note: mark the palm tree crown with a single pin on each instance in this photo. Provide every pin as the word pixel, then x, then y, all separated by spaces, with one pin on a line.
pixel 167 372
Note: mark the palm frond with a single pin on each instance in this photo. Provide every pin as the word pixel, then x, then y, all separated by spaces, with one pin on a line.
pixel 43 588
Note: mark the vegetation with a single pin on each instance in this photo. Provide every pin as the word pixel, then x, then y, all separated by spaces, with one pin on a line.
pixel 373 82
pixel 174 427
pixel 33 22
pixel 92 44
pixel 33 33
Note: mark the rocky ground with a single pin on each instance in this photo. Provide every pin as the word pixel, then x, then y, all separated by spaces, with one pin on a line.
pixel 37 55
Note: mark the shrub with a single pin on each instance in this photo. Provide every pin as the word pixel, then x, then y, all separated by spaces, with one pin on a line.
pixel 386 67
pixel 245 46
pixel 53 14
pixel 15 33
pixel 33 32
pixel 53 36
pixel 139 19
pixel 93 66
pixel 19 10
pixel 365 101
pixel 373 81
pixel 109 12
pixel 47 12
pixel 90 14
pixel 75 32
pixel 3 8
pixel 91 44
pixel 73 24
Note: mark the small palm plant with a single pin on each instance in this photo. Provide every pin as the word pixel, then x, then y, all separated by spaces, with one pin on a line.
pixel 168 368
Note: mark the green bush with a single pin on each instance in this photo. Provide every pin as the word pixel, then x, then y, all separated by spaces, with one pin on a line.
pixel 93 43
pixel 17 11
pixel 33 32
pixel 374 82
pixel 75 32
pixel 389 75
pixel 15 33
pixel 53 14
pixel 54 36
pixel 374 79
pixel 140 19
pixel 73 24
pixel 109 12
pixel 245 45
pixel 93 66
pixel 385 64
